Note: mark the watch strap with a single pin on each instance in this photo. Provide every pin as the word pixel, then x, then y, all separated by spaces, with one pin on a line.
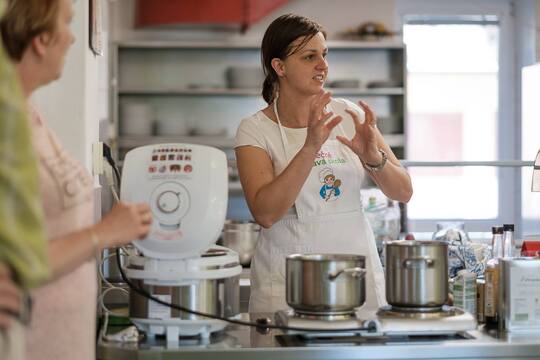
pixel 380 166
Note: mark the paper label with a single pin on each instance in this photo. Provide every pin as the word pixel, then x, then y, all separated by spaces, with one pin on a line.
pixel 158 311
pixel 524 297
pixel 491 292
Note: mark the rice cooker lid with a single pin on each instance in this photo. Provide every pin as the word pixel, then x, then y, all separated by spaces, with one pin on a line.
pixel 180 182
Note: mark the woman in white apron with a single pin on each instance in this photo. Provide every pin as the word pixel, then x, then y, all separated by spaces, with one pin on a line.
pixel 301 161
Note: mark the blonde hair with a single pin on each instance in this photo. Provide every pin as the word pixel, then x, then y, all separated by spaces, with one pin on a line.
pixel 25 19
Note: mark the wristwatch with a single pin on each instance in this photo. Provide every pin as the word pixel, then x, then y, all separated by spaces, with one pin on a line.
pixel 375 168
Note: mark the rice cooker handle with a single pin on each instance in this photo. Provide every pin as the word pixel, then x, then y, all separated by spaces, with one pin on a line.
pixel 418 263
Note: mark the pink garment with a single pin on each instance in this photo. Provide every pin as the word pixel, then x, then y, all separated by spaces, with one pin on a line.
pixel 64 312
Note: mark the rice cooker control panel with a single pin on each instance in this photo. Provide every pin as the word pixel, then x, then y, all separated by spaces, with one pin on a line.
pixel 169 202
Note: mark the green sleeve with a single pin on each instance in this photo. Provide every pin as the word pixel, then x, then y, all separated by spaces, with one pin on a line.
pixel 23 243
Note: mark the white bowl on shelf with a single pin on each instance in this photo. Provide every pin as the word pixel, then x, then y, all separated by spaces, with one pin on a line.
pixel 172 126
pixel 136 119
pixel 390 124
pixel 244 77
pixel 209 131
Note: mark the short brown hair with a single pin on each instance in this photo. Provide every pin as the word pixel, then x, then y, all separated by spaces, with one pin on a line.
pixel 25 19
pixel 277 43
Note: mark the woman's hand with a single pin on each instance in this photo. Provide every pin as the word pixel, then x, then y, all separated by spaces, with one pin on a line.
pixel 10 298
pixel 318 129
pixel 123 224
pixel 364 142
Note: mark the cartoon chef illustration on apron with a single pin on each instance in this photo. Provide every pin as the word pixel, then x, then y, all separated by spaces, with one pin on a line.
pixel 330 189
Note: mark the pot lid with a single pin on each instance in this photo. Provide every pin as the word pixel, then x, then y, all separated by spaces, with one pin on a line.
pixel 416 243
pixel 326 257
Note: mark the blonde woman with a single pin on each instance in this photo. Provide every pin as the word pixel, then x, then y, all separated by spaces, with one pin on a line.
pixel 37 36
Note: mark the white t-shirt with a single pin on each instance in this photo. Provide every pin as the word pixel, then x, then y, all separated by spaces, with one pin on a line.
pixel 260 131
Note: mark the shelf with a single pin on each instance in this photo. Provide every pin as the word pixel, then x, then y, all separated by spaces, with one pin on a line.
pixel 252 92
pixel 253 44
pixel 190 92
pixel 394 140
pixel 126 142
pixel 235 187
pixel 190 76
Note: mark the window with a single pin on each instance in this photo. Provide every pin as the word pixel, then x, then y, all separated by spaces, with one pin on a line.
pixel 450 61
pixel 530 145
pixel 463 140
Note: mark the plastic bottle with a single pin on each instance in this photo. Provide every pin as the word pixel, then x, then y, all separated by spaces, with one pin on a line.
pixel 509 242
pixel 375 215
pixel 392 219
pixel 464 290
pixel 491 274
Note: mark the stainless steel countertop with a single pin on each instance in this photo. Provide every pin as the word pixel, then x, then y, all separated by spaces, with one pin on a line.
pixel 242 342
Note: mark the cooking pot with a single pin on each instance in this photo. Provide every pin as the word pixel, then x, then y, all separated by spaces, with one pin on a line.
pixel 241 236
pixel 213 296
pixel 218 296
pixel 325 284
pixel 416 274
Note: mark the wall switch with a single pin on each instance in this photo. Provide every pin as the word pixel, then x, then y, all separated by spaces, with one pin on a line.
pixel 97 158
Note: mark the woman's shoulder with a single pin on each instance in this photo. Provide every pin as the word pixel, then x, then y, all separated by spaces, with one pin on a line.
pixel 254 130
pixel 256 121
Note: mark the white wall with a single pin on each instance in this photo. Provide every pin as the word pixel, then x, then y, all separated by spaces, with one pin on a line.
pixel 70 104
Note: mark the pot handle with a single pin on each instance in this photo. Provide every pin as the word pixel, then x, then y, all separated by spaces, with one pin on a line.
pixel 356 272
pixel 419 262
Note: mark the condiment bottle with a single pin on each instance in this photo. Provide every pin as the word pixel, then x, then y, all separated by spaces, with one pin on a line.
pixel 491 274
pixel 464 290
pixel 509 246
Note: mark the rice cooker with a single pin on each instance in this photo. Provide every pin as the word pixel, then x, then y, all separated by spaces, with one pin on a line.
pixel 186 187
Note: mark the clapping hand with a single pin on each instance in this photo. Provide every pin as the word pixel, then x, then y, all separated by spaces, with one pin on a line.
pixel 319 129
pixel 364 142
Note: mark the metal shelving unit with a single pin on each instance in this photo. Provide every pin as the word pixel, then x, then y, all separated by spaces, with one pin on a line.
pixel 251 92
pixel 191 74
pixel 136 141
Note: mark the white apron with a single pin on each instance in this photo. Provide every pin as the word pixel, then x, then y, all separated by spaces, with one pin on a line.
pixel 329 219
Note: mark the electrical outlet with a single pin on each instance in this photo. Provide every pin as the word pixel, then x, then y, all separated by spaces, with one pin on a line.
pixel 97 158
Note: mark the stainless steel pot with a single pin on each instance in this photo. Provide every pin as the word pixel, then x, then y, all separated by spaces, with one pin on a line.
pixel 319 284
pixel 416 274
pixel 213 296
pixel 241 237
pixel 218 296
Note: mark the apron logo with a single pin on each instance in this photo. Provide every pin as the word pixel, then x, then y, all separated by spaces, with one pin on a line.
pixel 330 189
pixel 326 158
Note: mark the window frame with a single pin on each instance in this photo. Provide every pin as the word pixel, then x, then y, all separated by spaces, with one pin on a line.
pixel 513 54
